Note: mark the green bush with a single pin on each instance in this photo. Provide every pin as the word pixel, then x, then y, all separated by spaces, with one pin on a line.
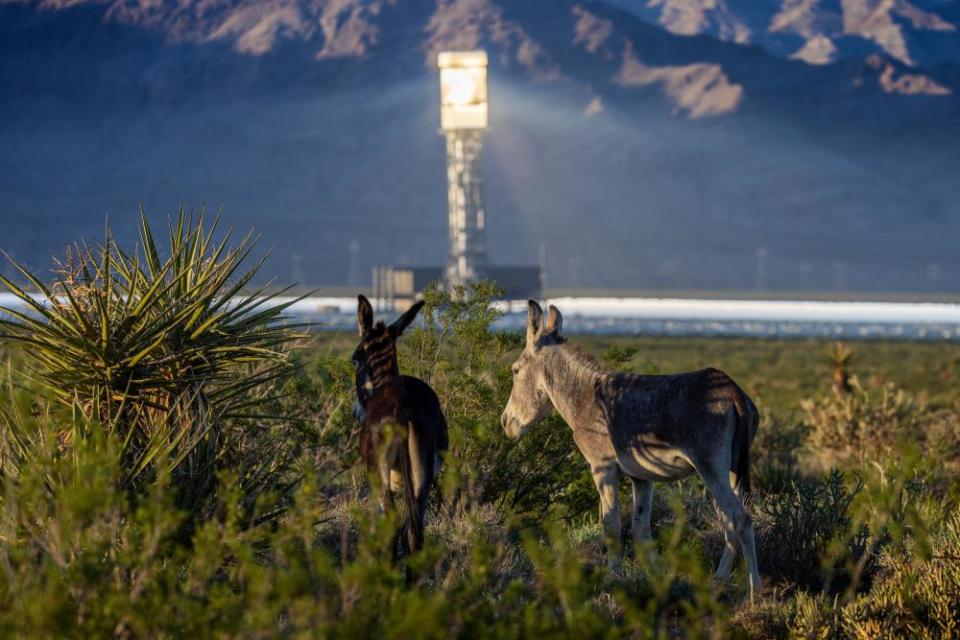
pixel 807 536
pixel 469 366
pixel 84 558
pixel 912 598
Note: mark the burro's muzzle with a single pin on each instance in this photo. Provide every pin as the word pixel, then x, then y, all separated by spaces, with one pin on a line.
pixel 513 422
pixel 509 424
pixel 359 413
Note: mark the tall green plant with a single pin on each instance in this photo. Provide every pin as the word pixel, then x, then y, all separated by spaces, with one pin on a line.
pixel 468 363
pixel 159 347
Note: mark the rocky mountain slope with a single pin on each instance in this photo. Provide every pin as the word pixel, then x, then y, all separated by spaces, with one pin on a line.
pixel 916 33
pixel 644 143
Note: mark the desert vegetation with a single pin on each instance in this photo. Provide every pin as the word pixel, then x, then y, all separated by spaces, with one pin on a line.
pixel 179 461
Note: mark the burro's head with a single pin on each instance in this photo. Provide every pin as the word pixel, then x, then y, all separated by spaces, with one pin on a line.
pixel 375 358
pixel 529 402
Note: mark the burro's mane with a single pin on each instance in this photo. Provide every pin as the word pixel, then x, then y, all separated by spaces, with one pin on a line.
pixel 579 358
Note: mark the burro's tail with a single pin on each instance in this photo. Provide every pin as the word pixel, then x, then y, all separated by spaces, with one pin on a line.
pixel 414 521
pixel 748 420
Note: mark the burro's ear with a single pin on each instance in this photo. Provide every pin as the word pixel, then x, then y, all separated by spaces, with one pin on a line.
pixel 534 322
pixel 554 322
pixel 364 315
pixel 400 324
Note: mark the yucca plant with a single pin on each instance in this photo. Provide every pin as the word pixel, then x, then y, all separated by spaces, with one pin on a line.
pixel 841 357
pixel 162 350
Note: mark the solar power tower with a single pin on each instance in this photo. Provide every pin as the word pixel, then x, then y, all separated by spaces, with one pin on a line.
pixel 463 119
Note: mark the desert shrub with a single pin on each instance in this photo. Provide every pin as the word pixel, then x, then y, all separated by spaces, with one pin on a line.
pixel 912 598
pixel 84 558
pixel 468 364
pixel 320 391
pixel 618 356
pixel 80 557
pixel 776 452
pixel 878 423
pixel 807 535
pixel 772 617
pixel 866 423
pixel 942 440
pixel 171 354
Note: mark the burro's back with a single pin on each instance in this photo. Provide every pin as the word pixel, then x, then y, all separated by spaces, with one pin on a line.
pixel 690 411
pixel 406 400
pixel 647 428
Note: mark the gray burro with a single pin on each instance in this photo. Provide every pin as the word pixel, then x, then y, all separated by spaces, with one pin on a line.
pixel 646 427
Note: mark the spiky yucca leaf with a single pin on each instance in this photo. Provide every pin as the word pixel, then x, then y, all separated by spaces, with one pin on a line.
pixel 158 349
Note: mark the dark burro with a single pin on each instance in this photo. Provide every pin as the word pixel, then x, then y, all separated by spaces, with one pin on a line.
pixel 403 434
pixel 648 428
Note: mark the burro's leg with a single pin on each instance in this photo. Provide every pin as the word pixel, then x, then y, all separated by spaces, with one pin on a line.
pixel 642 501
pixel 730 545
pixel 386 499
pixel 737 523
pixel 387 452
pixel 385 475
pixel 607 479
pixel 421 476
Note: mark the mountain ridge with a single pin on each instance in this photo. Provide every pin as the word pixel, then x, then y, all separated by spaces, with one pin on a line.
pixel 673 153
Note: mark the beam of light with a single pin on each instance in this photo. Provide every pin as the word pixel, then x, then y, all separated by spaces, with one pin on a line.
pixel 462 87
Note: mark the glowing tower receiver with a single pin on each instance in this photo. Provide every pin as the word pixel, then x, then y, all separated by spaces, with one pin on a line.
pixel 463 118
